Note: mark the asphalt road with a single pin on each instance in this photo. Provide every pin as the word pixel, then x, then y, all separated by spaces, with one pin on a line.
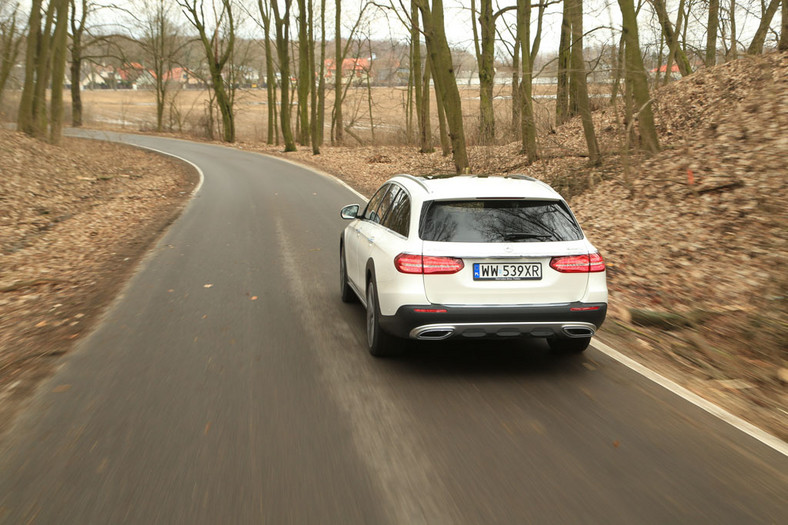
pixel 193 402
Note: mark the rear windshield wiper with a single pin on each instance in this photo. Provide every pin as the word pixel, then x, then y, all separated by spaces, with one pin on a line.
pixel 522 235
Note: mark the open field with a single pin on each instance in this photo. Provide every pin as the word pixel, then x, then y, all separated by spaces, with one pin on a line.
pixel 135 110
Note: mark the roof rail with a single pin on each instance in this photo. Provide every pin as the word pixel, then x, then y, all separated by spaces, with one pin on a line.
pixel 530 179
pixel 414 179
pixel 522 177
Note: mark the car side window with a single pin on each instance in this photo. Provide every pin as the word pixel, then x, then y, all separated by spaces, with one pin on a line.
pixel 398 219
pixel 387 204
pixel 372 213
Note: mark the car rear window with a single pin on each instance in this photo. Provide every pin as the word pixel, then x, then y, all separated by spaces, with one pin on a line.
pixel 498 220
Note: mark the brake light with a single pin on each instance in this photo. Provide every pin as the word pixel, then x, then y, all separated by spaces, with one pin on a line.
pixel 411 263
pixel 586 263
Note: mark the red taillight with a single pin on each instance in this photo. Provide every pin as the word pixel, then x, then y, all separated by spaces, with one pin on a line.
pixel 578 263
pixel 410 263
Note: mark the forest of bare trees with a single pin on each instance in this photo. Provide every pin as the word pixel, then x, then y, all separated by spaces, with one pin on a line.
pixel 309 55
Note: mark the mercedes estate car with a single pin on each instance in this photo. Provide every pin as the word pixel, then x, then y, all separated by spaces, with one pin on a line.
pixel 471 257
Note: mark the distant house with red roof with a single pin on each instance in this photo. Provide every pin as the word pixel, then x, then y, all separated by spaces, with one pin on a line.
pixel 674 69
pixel 356 69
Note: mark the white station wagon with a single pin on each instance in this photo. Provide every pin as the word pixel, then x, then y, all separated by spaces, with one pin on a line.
pixel 474 257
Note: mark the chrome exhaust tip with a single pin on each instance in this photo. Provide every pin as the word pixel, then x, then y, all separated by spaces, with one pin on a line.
pixel 577 331
pixel 433 333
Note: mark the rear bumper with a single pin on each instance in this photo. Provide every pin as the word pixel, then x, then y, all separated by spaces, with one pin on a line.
pixel 564 320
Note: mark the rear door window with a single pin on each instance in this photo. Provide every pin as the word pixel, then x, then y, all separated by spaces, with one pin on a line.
pixel 498 220
pixel 398 219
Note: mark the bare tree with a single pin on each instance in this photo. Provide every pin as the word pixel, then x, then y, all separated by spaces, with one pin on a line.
pixel 485 54
pixel 578 79
pixel 733 51
pixel 161 45
pixel 636 79
pixel 59 52
pixel 28 105
pixel 78 21
pixel 711 32
pixel 563 111
pixel 305 83
pixel 270 72
pixel 282 23
pixel 45 64
pixel 783 45
pixel 319 100
pixel 676 49
pixel 217 36
pixel 445 81
pixel 337 125
pixel 528 124
pixel 756 46
pixel 671 38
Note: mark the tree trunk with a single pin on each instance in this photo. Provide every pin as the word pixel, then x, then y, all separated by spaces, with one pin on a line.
pixel 442 127
pixel 424 120
pixel 43 75
pixel 733 52
pixel 313 92
pixel 783 45
pixel 564 57
pixel 711 32
pixel 76 63
pixel 514 128
pixel 59 51
pixel 579 79
pixel 486 63
pixel 446 83
pixel 282 43
pixel 303 74
pixel 756 46
pixel 369 98
pixel 416 74
pixel 637 81
pixel 270 73
pixel 619 70
pixel 321 85
pixel 338 125
pixel 528 128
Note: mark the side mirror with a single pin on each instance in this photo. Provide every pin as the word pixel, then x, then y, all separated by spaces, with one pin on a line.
pixel 349 212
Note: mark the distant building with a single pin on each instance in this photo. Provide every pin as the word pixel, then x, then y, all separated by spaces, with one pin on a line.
pixel 353 69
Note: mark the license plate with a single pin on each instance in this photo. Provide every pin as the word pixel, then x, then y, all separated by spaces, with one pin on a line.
pixel 507 271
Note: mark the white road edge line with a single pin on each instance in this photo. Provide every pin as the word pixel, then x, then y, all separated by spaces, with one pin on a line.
pixel 314 170
pixel 751 430
pixel 173 155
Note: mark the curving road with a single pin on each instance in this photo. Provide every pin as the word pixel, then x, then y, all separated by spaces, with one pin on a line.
pixel 253 400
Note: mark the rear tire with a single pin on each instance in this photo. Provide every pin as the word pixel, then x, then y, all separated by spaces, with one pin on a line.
pixel 567 345
pixel 346 292
pixel 380 343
